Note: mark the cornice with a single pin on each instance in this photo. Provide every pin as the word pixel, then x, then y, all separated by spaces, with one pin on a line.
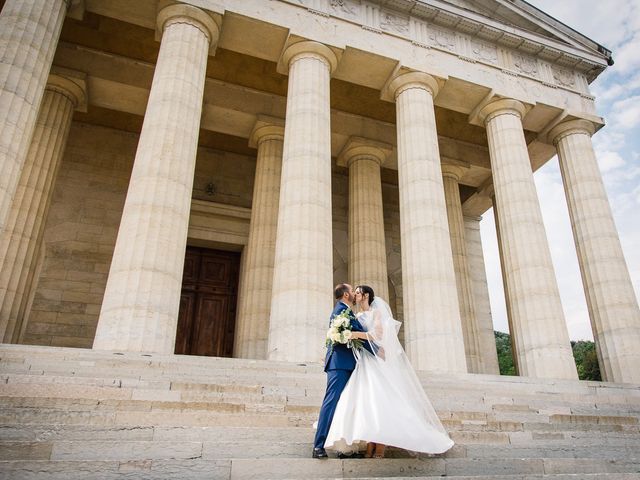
pixel 471 36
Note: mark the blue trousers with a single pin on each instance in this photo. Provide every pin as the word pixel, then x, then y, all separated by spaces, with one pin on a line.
pixel 336 381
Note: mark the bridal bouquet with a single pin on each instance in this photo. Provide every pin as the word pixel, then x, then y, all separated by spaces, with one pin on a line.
pixel 340 332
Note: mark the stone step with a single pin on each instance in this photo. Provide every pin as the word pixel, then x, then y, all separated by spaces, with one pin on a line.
pixel 311 392
pixel 187 461
pixel 156 413
pixel 77 413
pixel 69 432
pixel 58 410
pixel 283 447
pixel 180 364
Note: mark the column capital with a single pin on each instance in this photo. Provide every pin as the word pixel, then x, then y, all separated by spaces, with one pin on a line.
pixel 357 147
pixel 170 13
pixel 266 128
pixel 502 106
pixel 71 84
pixel 405 81
pixel 453 171
pixel 307 49
pixel 571 127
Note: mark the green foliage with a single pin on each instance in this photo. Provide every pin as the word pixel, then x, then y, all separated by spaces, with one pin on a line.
pixel 505 357
pixel 584 353
pixel 586 358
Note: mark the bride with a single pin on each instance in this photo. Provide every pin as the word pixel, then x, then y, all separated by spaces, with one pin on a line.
pixel 384 403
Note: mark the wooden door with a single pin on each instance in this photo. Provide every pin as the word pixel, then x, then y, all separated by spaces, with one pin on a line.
pixel 206 321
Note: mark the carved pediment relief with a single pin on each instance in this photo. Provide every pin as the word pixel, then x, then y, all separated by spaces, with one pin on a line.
pixel 443 38
pixel 392 22
pixel 563 77
pixel 349 8
pixel 526 64
pixel 484 51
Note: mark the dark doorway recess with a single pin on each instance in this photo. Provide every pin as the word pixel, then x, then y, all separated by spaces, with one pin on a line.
pixel 207 317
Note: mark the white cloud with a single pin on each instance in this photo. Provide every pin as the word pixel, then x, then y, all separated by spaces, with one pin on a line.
pixel 625 113
pixel 609 160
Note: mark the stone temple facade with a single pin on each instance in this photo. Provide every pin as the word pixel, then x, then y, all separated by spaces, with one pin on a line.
pixel 194 177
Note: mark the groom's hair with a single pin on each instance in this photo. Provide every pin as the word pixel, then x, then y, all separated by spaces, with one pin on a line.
pixel 340 290
pixel 367 289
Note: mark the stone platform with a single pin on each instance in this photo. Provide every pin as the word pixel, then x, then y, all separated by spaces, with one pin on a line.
pixel 82 414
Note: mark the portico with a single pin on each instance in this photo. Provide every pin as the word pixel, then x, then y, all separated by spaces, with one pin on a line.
pixel 326 141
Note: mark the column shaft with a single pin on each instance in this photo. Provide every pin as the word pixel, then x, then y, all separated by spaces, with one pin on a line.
pixel 367 252
pixel 22 236
pixel 303 269
pixel 433 333
pixel 254 305
pixel 29 33
pixel 141 301
pixel 612 303
pixel 540 333
pixel 478 275
pixel 466 300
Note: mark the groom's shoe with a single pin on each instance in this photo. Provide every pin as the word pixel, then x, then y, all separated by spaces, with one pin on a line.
pixel 319 453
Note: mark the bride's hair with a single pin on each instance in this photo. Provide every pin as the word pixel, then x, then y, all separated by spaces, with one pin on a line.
pixel 367 289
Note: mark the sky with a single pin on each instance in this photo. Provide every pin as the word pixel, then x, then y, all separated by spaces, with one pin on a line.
pixel 615 24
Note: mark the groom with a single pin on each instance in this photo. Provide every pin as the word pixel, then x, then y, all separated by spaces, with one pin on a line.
pixel 338 364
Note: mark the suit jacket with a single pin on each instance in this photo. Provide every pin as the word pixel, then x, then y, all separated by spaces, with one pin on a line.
pixel 340 357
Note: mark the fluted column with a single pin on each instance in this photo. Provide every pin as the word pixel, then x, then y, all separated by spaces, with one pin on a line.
pixel 303 269
pixel 451 175
pixel 478 275
pixel 433 333
pixel 22 236
pixel 539 329
pixel 367 252
pixel 29 33
pixel 612 303
pixel 141 301
pixel 254 303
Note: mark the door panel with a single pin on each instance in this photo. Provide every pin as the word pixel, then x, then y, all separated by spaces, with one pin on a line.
pixel 206 322
pixel 185 317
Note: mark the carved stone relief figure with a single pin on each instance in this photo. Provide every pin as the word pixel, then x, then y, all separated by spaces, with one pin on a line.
pixel 525 64
pixel 392 22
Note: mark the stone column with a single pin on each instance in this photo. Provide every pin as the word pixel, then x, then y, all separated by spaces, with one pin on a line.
pixel 433 333
pixel 367 252
pixel 29 33
pixel 21 239
pixel 505 285
pixel 612 303
pixel 539 329
pixel 254 303
pixel 478 275
pixel 451 175
pixel 141 301
pixel 303 269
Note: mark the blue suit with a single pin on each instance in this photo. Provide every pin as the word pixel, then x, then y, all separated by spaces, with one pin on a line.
pixel 339 364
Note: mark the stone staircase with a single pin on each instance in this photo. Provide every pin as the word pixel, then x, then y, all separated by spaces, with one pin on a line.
pixel 80 414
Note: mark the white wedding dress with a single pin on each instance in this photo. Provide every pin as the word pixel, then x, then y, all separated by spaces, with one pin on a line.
pixel 383 401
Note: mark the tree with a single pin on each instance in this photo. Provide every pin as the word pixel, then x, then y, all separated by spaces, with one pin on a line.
pixel 584 353
pixel 505 355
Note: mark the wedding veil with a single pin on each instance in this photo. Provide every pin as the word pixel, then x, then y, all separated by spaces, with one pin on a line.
pixel 382 331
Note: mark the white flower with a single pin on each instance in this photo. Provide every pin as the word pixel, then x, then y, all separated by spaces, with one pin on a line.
pixel 346 336
pixel 339 321
pixel 335 336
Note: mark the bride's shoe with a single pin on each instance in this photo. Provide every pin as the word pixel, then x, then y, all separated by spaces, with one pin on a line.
pixel 379 451
pixel 370 448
